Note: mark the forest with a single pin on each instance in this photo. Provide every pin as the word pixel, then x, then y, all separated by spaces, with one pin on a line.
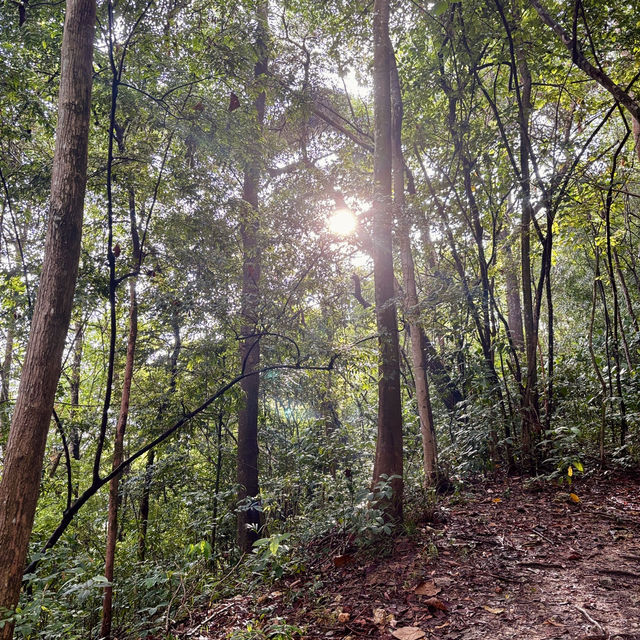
pixel 319 319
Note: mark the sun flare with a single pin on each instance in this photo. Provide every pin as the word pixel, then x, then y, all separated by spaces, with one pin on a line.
pixel 342 222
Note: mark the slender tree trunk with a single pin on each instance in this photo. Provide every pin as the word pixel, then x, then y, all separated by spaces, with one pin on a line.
pixel 41 370
pixel 121 426
pixel 7 361
pixel 512 286
pixel 144 505
pixel 75 389
pixel 247 465
pixel 530 401
pixel 389 458
pixel 594 362
pixel 412 306
pixel 118 457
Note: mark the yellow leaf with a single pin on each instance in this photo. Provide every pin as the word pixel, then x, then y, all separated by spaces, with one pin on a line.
pixel 574 498
pixel 492 609
pixel 570 472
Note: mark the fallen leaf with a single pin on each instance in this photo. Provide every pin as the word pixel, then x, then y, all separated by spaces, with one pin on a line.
pixel 343 618
pixel 427 588
pixel 408 633
pixel 492 609
pixel 379 616
pixel 496 500
pixel 341 561
pixel 553 623
pixel 436 603
pixel 574 498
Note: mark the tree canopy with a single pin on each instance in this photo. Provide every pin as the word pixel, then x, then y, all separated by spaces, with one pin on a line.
pixel 335 255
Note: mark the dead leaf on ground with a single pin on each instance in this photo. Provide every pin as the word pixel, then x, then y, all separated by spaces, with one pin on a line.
pixel 427 588
pixel 341 561
pixel 553 623
pixel 492 609
pixel 574 498
pixel 379 616
pixel 436 603
pixel 343 617
pixel 408 633
pixel 377 578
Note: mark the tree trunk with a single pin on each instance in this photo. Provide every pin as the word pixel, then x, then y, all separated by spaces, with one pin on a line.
pixel 41 370
pixel 75 390
pixel 118 447
pixel 118 456
pixel 412 307
pixel 5 372
pixel 389 459
pixel 247 470
pixel 530 401
pixel 512 286
pixel 144 505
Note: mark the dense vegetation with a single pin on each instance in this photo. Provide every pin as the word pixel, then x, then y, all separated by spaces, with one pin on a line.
pixel 232 146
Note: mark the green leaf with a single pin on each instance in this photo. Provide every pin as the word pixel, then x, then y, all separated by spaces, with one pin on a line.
pixel 440 7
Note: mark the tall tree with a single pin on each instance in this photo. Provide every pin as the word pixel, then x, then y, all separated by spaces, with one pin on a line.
pixel 412 304
pixel 247 472
pixel 118 447
pixel 41 370
pixel 389 457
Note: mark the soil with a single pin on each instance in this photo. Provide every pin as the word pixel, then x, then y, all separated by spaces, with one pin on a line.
pixel 509 558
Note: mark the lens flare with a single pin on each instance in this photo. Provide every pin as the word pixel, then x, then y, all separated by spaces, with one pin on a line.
pixel 342 222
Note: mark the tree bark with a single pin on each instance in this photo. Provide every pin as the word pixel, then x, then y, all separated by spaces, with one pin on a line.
pixel 247 464
pixel 389 458
pixel 530 400
pixel 512 286
pixel 41 370
pixel 412 306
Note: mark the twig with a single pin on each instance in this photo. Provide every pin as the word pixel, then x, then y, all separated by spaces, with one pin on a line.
pixel 540 535
pixel 543 565
pixel 193 631
pixel 591 620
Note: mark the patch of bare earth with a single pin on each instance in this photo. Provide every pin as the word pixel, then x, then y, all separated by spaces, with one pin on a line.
pixel 509 562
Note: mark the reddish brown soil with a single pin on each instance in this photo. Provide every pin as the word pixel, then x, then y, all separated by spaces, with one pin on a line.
pixel 510 560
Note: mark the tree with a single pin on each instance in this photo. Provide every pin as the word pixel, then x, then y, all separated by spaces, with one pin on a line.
pixel 52 314
pixel 247 472
pixel 389 451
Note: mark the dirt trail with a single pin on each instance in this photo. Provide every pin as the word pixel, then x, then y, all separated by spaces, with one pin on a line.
pixel 508 562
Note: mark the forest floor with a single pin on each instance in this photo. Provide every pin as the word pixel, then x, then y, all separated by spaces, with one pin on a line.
pixel 508 559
